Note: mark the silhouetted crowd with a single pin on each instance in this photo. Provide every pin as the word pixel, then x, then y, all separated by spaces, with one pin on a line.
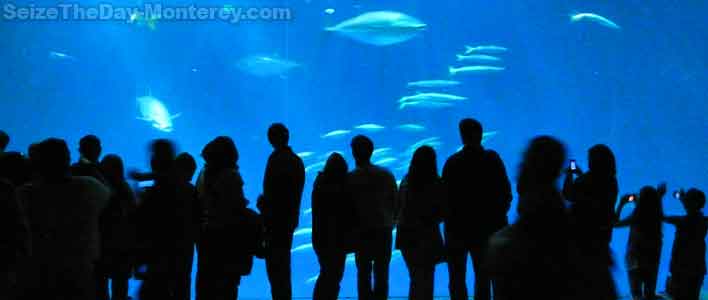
pixel 69 229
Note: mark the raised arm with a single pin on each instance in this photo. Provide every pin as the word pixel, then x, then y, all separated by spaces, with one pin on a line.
pixel 627 221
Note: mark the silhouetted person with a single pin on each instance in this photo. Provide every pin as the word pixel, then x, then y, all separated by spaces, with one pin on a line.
pixel 419 237
pixel 117 232
pixel 688 260
pixel 14 230
pixel 645 240
pixel 373 192
pixel 224 256
pixel 279 204
pixel 4 140
pixel 90 151
pixel 535 258
pixel 331 226
pixel 593 197
pixel 168 245
pixel 186 167
pixel 63 213
pixel 478 201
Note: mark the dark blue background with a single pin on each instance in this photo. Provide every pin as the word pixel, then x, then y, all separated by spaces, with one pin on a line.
pixel 641 90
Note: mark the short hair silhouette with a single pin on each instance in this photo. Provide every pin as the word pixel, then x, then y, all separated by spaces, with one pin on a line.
pixel 53 159
pixel 186 165
pixel 278 135
pixel 15 168
pixel 601 160
pixel 4 140
pixel 112 167
pixel 220 153
pixel 470 132
pixel 362 149
pixel 162 155
pixel 694 200
pixel 90 147
pixel 540 168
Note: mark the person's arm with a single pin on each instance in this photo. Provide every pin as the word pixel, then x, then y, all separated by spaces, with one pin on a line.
pixel 568 187
pixel 627 221
pixel 504 183
pixel 673 220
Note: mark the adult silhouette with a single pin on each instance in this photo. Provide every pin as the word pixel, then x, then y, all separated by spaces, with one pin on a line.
pixel 419 238
pixel 90 151
pixel 117 232
pixel 331 226
pixel 645 240
pixel 593 197
pixel 4 140
pixel 478 200
pixel 279 204
pixel 223 255
pixel 688 260
pixel 63 213
pixel 14 231
pixel 373 193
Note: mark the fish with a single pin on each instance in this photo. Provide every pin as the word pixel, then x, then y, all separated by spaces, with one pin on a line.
pixel 266 66
pixel 351 258
pixel 380 28
pixel 594 18
pixel 301 248
pixel 326 156
pixel 312 279
pixel 481 69
pixel 154 111
pixel 485 137
pixel 315 167
pixel 479 58
pixel 490 49
pixel 371 127
pixel 425 104
pixel 431 97
pixel 336 133
pixel 434 83
pixel 386 161
pixel 431 141
pixel 411 127
pixel 381 151
pixel 303 231
pixel 140 19
pixel 305 154
pixel 307 211
pixel 60 56
pixel 329 11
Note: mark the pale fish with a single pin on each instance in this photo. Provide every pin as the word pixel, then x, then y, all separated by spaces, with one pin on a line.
pixel 411 127
pixel 266 66
pixel 301 248
pixel 434 83
pixel 154 111
pixel 336 133
pixel 594 18
pixel 380 28
pixel 478 58
pixel 481 69
pixel 490 49
pixel 370 127
pixel 303 231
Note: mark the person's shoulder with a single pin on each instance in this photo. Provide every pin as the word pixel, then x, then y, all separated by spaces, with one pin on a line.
pixel 491 154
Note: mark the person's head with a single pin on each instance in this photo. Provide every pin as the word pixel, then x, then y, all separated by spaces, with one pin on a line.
pixel 186 166
pixel 162 155
pixel 362 149
pixel 90 148
pixel 424 166
pixel 648 210
pixel 220 153
pixel 601 160
pixel 470 132
pixel 278 135
pixel 336 167
pixel 15 168
pixel 539 170
pixel 4 140
pixel 693 200
pixel 53 159
pixel 112 168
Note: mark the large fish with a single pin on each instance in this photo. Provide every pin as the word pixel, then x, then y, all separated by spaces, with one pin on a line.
pixel 432 97
pixel 315 167
pixel 431 141
pixel 475 70
pixel 594 18
pixel 489 49
pixel 435 83
pixel 386 161
pixel 370 127
pixel 335 133
pixel 478 58
pixel 425 104
pixel 154 111
pixel 380 28
pixel 411 127
pixel 266 66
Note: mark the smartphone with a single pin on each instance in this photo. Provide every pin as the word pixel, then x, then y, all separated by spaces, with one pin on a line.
pixel 632 198
pixel 677 195
pixel 573 165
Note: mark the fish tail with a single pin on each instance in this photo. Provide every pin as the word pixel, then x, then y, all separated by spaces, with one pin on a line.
pixel 459 57
pixel 331 28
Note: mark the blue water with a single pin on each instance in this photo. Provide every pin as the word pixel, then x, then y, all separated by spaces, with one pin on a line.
pixel 641 90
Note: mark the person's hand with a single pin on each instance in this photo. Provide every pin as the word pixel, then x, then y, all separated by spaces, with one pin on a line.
pixel 625 199
pixel 134 174
pixel 260 202
pixel 661 189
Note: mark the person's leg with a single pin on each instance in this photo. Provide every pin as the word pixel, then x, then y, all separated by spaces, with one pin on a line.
pixel 364 266
pixel 427 282
pixel 482 283
pixel 635 284
pixel 119 288
pixel 278 265
pixel 457 270
pixel 650 278
pixel 101 286
pixel 331 273
pixel 382 260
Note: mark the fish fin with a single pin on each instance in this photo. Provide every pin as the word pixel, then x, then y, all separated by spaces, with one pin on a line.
pixel 459 57
pixel 175 116
pixel 330 28
pixel 143 119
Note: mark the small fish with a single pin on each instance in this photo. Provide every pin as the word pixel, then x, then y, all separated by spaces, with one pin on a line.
pixel 411 127
pixel 307 211
pixel 435 83
pixel 594 18
pixel 325 156
pixel 266 66
pixel 312 279
pixel 303 231
pixel 140 19
pixel 425 104
pixel 381 151
pixel 385 161
pixel 315 167
pixel 432 97
pixel 351 258
pixel 306 154
pixel 478 58
pixel 60 56
pixel 475 70
pixel 371 127
pixel 431 141
pixel 485 137
pixel 490 49
pixel 336 133
pixel 301 248
pixel 329 11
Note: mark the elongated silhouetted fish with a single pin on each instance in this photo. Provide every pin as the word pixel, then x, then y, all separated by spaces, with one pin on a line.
pixel 594 18
pixel 380 28
pixel 434 83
